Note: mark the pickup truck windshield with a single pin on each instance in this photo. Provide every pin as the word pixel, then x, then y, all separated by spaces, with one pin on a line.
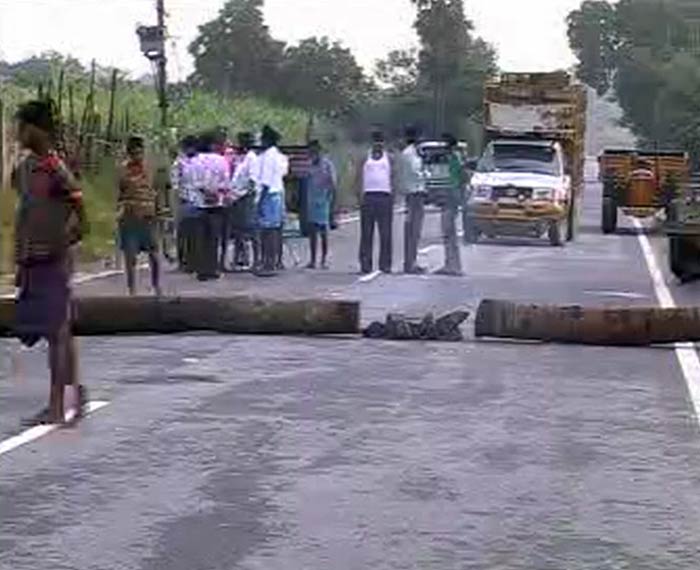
pixel 520 158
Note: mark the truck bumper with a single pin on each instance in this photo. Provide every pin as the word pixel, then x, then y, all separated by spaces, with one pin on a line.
pixel 531 219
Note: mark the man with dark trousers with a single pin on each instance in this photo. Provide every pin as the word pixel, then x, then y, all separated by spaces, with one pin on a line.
pixel 412 182
pixel 377 184
pixel 211 189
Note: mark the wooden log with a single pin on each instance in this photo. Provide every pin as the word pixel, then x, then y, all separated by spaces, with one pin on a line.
pixel 103 316
pixel 629 326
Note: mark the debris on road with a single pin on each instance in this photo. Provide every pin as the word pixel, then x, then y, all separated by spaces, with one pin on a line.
pixel 401 327
pixel 628 326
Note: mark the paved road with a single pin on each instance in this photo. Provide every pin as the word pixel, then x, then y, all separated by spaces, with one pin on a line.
pixel 220 453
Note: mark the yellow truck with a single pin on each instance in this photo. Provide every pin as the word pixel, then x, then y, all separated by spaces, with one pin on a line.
pixel 529 180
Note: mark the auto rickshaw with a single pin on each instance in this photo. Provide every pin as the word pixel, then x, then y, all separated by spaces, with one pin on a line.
pixel 640 184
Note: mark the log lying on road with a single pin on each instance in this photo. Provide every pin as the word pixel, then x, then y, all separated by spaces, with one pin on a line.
pixel 630 326
pixel 96 316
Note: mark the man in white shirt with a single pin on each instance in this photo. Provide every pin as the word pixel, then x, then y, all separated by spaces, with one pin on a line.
pixel 413 187
pixel 273 166
pixel 244 209
pixel 181 178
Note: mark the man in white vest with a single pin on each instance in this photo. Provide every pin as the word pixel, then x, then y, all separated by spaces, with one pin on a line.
pixel 377 184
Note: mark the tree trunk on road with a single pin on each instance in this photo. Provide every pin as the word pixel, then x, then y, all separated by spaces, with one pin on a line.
pixel 632 326
pixel 98 316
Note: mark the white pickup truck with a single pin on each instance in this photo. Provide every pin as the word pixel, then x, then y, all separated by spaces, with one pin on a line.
pixel 520 187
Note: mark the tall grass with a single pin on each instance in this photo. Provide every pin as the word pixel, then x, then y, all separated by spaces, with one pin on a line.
pixel 190 111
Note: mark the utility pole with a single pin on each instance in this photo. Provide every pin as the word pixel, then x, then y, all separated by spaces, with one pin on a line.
pixel 152 40
pixel 162 66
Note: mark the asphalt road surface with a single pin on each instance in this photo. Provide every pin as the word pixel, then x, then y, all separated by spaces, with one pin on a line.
pixel 227 453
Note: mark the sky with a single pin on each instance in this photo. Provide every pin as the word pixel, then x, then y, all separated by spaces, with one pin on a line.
pixel 530 35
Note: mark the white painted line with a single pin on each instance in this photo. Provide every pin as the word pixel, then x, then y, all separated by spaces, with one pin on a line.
pixel 349 220
pixel 685 351
pixel 37 432
pixel 428 249
pixel 620 294
pixel 369 277
pixel 86 277
pixel 352 218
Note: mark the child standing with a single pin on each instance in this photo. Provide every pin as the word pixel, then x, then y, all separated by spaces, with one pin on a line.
pixel 137 215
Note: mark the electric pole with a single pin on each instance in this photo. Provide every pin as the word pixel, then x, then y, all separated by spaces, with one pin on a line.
pixel 162 66
pixel 152 40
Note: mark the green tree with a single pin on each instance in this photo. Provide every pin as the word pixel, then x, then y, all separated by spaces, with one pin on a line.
pixel 593 36
pixel 641 49
pixel 322 76
pixel 235 53
pixel 438 86
pixel 399 72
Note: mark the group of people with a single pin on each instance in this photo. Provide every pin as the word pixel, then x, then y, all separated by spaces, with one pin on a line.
pixel 382 177
pixel 227 196
pixel 235 196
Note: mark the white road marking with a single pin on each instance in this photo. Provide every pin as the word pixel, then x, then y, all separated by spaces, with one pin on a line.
pixel 37 432
pixel 349 220
pixel 685 351
pixel 81 278
pixel 369 277
pixel 620 294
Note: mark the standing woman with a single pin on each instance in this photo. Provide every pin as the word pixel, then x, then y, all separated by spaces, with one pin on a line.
pixel 321 189
pixel 50 222
pixel 137 206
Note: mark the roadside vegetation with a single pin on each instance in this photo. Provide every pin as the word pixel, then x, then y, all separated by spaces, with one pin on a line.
pixel 243 78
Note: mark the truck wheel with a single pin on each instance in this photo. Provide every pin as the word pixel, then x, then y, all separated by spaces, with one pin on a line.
pixel 678 256
pixel 609 216
pixel 556 233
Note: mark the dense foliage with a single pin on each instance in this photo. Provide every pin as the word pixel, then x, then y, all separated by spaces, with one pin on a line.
pixel 439 85
pixel 645 52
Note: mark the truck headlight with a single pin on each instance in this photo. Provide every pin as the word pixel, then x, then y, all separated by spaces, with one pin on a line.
pixel 481 192
pixel 543 194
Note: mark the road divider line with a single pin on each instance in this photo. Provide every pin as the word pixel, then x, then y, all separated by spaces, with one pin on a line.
pixel 686 353
pixel 37 432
